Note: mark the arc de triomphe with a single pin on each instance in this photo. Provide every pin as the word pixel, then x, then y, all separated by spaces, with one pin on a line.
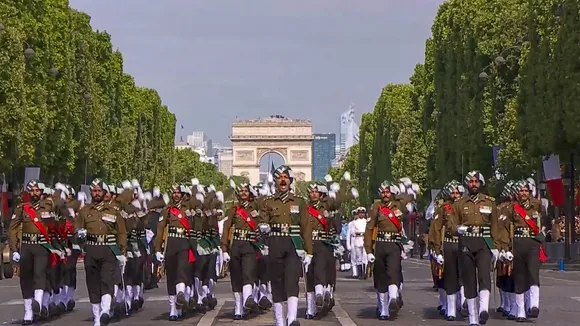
pixel 290 138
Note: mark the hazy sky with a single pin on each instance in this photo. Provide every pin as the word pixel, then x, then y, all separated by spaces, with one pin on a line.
pixel 214 60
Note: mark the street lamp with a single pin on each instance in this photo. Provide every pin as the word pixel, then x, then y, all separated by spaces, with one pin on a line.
pixel 53 72
pixel 483 75
pixel 29 53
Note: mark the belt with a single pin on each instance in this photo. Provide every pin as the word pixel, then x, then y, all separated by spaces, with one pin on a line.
pixel 451 238
pixel 177 232
pixel 383 236
pixel 523 232
pixel 101 240
pixel 136 235
pixel 244 235
pixel 284 230
pixel 359 234
pixel 478 231
pixel 33 238
pixel 320 235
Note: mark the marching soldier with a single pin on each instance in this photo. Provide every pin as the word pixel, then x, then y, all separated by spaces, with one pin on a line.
pixel 504 280
pixel 318 277
pixel 445 247
pixel 173 235
pixel 285 218
pixel 386 215
pixel 33 250
pixel 527 250
pixel 263 289
pixel 72 249
pixel 240 247
pixel 102 227
pixel 474 219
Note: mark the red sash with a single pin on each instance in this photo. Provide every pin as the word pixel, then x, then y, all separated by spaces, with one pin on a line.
pixel 246 217
pixel 185 223
pixel 40 226
pixel 448 208
pixel 251 223
pixel 386 211
pixel 314 212
pixel 532 225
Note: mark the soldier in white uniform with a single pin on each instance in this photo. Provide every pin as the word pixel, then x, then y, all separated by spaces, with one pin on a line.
pixel 355 243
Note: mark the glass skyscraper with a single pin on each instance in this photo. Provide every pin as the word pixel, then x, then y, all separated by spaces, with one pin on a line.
pixel 323 153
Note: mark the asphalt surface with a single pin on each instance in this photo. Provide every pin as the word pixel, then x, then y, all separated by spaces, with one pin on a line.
pixel 356 301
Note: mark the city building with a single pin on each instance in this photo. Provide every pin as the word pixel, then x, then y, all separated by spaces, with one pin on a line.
pixel 225 161
pixel 323 153
pixel 349 132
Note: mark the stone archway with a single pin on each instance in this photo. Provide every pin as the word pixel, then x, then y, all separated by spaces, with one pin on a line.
pixel 290 138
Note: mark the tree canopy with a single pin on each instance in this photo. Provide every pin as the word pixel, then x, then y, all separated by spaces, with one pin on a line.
pixel 67 106
pixel 496 73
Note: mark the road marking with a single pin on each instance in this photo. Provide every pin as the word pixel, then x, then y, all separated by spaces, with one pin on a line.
pixel 342 316
pixel 209 317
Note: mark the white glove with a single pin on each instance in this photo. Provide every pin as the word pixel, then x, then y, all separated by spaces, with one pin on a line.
pixel 62 188
pixel 264 228
pixel 334 187
pixel 126 184
pixel 307 260
pixel 82 233
pixel 439 259
pixel 159 257
pixel 199 196
pixel 346 176
pixel 371 258
pixel 15 257
pixel 328 178
pixel 509 256
pixel 232 184
pixel 402 188
pixel 226 257
pixel 220 196
pixel 135 184
pixel 194 181
pixel 149 235
pixel 211 188
pixel 495 254
pixel 148 196
pixel 62 254
pixel 82 197
pixel 156 192
pixel 461 229
pixel 406 181
pixel 354 193
pixel 122 260
pixel 67 251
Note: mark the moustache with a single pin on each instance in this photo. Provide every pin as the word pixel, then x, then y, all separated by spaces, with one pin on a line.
pixel 283 183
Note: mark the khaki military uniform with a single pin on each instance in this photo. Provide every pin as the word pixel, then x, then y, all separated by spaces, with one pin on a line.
pixel 479 214
pixel 179 255
pixel 72 250
pixel 289 221
pixel 504 279
pixel 240 240
pixel 105 240
pixel 525 246
pixel 321 272
pixel 35 248
pixel 387 247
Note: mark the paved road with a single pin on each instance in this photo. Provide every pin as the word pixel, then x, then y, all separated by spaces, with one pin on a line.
pixel 560 304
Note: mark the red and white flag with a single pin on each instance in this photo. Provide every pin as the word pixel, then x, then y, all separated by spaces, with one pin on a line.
pixel 554 179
